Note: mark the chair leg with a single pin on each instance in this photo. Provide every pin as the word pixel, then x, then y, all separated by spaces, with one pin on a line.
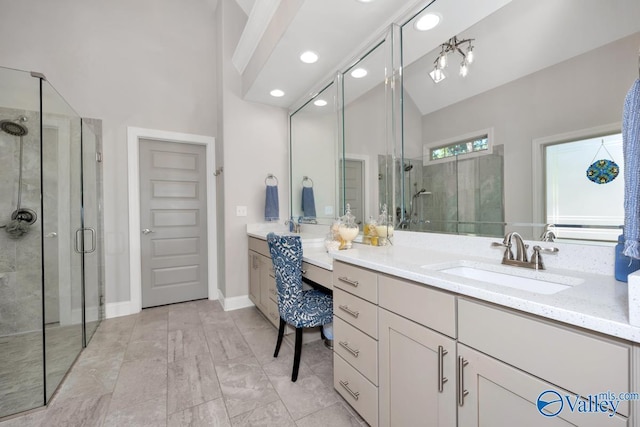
pixel 280 335
pixel 296 355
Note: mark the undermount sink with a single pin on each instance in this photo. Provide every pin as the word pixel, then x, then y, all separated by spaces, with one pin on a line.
pixel 532 281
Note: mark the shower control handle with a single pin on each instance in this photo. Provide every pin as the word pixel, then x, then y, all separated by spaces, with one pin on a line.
pixel 147 231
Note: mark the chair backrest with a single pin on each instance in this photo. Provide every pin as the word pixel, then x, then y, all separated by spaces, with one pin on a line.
pixel 286 255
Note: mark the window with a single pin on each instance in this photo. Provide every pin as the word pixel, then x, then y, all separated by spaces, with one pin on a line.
pixel 459 148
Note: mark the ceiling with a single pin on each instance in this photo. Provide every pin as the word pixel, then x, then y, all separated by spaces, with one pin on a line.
pixel 337 30
pixel 277 32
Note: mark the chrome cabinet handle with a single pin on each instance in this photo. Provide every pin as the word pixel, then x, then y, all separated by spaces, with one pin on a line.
pixel 345 385
pixel 461 391
pixel 304 272
pixel 441 378
pixel 349 311
pixel 345 345
pixel 52 234
pixel 147 231
pixel 348 281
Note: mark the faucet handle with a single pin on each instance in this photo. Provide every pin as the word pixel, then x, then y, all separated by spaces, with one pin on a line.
pixel 508 253
pixel 536 258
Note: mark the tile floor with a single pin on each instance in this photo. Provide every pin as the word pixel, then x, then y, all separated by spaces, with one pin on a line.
pixel 193 364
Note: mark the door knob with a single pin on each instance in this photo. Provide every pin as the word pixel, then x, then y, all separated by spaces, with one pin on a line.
pixel 147 231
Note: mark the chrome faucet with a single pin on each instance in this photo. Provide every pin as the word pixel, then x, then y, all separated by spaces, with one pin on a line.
pixel 549 233
pixel 521 258
pixel 293 225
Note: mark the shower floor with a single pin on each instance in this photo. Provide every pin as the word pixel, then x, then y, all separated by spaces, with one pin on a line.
pixel 21 367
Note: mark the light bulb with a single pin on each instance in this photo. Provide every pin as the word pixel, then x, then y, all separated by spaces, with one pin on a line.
pixel 464 69
pixel 442 60
pixel 470 55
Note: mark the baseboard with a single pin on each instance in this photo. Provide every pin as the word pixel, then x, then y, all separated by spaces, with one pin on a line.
pixel 118 309
pixel 234 303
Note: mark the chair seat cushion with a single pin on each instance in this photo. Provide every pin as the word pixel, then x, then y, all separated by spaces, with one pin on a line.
pixel 315 309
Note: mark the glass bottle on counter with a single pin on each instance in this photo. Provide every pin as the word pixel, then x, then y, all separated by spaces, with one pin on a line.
pixel 348 228
pixel 384 227
pixel 369 234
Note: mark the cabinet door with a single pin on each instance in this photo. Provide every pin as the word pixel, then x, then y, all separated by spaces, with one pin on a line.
pixel 416 374
pixel 497 394
pixel 254 277
pixel 267 282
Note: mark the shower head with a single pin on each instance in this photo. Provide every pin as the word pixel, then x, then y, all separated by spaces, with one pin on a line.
pixel 13 128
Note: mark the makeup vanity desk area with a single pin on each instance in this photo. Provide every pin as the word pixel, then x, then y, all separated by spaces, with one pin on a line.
pixel 317 266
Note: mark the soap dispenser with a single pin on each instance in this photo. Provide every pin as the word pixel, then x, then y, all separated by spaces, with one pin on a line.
pixel 624 264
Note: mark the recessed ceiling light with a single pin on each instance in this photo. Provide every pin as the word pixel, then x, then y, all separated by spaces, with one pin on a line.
pixel 358 73
pixel 365 1
pixel 427 22
pixel 309 57
pixel 277 93
pixel 320 102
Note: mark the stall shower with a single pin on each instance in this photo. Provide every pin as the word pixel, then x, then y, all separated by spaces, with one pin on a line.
pixel 51 269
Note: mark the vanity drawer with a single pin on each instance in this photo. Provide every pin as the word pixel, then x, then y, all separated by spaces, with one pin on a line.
pixel 355 280
pixel 356 311
pixel 357 348
pixel 260 246
pixel 576 360
pixel 356 390
pixel 319 275
pixel 429 307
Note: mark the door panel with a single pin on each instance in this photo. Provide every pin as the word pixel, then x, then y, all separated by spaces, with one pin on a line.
pixel 173 218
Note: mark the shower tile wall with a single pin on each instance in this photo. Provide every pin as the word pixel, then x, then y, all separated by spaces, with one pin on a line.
pixel 20 259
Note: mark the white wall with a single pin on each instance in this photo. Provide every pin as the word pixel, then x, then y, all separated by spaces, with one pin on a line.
pixel 255 144
pixel 145 63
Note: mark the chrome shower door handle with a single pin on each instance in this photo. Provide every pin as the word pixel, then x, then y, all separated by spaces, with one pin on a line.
pixel 147 231
pixel 93 240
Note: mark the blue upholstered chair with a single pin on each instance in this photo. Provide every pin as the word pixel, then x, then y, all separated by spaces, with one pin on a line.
pixel 297 307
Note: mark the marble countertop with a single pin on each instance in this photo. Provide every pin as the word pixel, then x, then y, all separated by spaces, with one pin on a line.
pixel 594 301
pixel 598 303
pixel 313 250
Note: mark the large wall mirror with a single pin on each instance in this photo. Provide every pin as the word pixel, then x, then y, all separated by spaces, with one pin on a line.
pixel 314 153
pixel 518 78
pixel 365 172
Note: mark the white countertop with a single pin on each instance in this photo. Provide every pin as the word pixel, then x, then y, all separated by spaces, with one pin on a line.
pixel 313 250
pixel 599 303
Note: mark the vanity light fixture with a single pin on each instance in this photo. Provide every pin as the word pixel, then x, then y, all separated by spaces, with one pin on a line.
pixel 359 73
pixel 277 93
pixel 452 46
pixel 320 102
pixel 309 57
pixel 427 22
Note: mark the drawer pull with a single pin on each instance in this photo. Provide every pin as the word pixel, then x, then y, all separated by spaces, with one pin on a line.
pixel 461 391
pixel 345 385
pixel 349 311
pixel 304 272
pixel 348 281
pixel 345 345
pixel 441 378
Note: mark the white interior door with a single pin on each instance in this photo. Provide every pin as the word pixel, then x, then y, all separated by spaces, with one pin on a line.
pixel 173 222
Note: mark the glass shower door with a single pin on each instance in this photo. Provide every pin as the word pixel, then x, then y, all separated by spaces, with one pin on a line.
pixel 92 223
pixel 62 260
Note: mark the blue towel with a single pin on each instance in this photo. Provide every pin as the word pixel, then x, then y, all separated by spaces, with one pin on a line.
pixel 308 203
pixel 271 207
pixel 631 151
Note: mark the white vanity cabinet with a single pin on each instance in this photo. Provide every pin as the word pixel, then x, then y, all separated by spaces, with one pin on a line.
pixel 417 360
pixel 355 338
pixel 508 359
pixel 262 282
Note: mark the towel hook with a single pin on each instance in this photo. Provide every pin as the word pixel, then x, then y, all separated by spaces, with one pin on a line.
pixel 270 176
pixel 306 179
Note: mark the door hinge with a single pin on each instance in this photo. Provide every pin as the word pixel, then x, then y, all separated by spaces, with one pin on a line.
pixel 98 157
